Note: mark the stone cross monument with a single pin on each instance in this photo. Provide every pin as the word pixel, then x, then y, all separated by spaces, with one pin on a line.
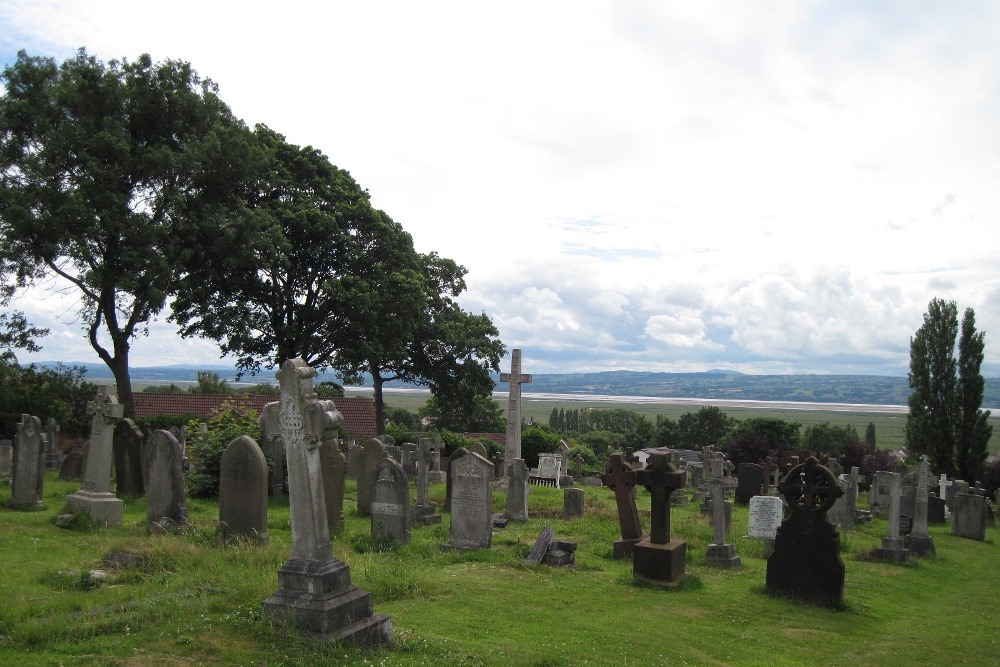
pixel 658 557
pixel 516 378
pixel 315 593
pixel 95 498
pixel 620 478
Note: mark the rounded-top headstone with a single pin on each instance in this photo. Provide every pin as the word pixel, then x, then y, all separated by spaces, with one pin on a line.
pixel 243 490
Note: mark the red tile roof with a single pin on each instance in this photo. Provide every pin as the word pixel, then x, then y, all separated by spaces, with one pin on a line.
pixel 359 413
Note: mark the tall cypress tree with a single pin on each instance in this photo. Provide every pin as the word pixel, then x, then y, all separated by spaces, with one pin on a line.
pixel 973 431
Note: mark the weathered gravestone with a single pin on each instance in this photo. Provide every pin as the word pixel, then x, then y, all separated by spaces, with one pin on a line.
pixel 936 510
pixel 390 508
pixel 919 541
pixel 517 491
pixel 315 593
pixel 455 456
pixel 471 503
pixel 806 562
pixel 334 471
pixel 719 552
pixel 163 469
pixel 658 557
pixel 94 498
pixel 71 469
pixel 374 451
pixel 548 471
pixel 878 494
pixel 620 477
pixel 353 460
pixel 128 442
pixel 243 491
pixel 6 458
pixel 424 511
pixel 969 516
pixel 272 445
pixel 515 378
pixel 573 500
pixel 479 448
pixel 541 546
pixel 53 455
pixel 749 482
pixel 893 547
pixel 29 465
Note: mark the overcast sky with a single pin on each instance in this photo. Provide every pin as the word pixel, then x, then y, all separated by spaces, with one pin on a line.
pixel 768 187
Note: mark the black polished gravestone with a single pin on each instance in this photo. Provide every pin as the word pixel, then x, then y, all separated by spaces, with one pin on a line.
pixel 749 482
pixel 806 563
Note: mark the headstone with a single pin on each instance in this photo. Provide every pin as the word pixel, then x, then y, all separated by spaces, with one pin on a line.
pixel 908 493
pixel 658 557
pixel 471 503
pixel 128 441
pixel 71 469
pixel 164 475
pixel 517 491
pixel 833 465
pixel 750 482
pixel 334 471
pixel 29 465
pixel 94 498
pixel 353 460
pixel 840 514
pixel 243 491
pixel 919 541
pixel 806 563
pixel 766 513
pixel 893 547
pixel 273 446
pixel 390 508
pixel 479 448
pixel 936 511
pixel 541 546
pixel 720 552
pixel 548 472
pixel 374 451
pixel 53 455
pixel 315 594
pixel 6 458
pixel 565 479
pixel 573 500
pixel 449 482
pixel 878 494
pixel 515 378
pixel 424 511
pixel 969 516
pixel 620 477
pixel 409 461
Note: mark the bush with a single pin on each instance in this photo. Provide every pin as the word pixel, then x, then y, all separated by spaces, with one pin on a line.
pixel 590 459
pixel 535 441
pixel 205 448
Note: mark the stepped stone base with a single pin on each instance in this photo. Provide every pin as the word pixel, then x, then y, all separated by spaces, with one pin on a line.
pixel 660 563
pixel 722 555
pixel 104 508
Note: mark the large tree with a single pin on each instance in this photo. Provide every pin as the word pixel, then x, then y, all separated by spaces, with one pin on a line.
pixel 946 421
pixel 973 432
pixel 105 170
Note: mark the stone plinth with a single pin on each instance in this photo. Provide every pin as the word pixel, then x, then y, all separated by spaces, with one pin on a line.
pixel 893 550
pixel 660 563
pixel 722 555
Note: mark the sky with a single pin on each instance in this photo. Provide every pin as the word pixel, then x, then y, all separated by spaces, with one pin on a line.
pixel 767 187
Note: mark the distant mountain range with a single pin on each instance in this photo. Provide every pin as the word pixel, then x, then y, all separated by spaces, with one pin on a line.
pixel 721 384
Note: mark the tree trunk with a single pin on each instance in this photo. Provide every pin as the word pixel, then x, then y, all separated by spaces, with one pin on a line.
pixel 379 404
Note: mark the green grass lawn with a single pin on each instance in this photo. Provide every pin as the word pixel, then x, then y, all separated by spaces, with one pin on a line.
pixel 195 601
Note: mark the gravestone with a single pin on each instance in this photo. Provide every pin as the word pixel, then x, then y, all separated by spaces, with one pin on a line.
pixel 94 498
pixel 353 460
pixel 919 541
pixel 766 513
pixel 243 491
pixel 750 482
pixel 390 508
pixel 893 547
pixel 6 458
pixel 409 460
pixel 449 482
pixel 620 477
pixel 515 378
pixel 719 552
pixel 840 514
pixel 969 516
pixel 334 471
pixel 806 563
pixel 564 477
pixel 315 594
pixel 164 474
pixel 53 455
pixel 127 447
pixel 658 557
pixel 71 469
pixel 548 472
pixel 424 511
pixel 272 445
pixel 936 510
pixel 573 500
pixel 541 546
pixel 374 451
pixel 28 471
pixel 516 508
pixel 908 493
pixel 878 494
pixel 471 503
pixel 833 465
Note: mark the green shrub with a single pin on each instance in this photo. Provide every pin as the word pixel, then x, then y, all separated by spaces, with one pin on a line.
pixel 205 448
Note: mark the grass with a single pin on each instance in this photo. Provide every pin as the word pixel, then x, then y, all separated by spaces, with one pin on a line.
pixel 194 600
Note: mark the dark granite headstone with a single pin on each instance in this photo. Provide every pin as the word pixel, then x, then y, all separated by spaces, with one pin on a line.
pixel 935 510
pixel 749 482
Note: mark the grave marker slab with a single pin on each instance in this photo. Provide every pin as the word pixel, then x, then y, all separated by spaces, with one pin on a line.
pixel 390 508
pixel 573 503
pixel 517 491
pixel 969 517
pixel 243 491
pixel 750 482
pixel 334 471
pixel 127 447
pixel 893 547
pixel 471 503
pixel 28 472
pixel 94 498
pixel 164 473
pixel 373 452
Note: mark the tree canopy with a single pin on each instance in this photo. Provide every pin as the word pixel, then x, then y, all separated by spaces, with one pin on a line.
pixel 106 170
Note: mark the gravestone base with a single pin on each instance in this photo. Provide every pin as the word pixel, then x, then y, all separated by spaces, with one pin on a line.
pixel 624 548
pixel 678 497
pixel 723 555
pixel 102 507
pixel 893 550
pixel 424 514
pixel 920 545
pixel 316 597
pixel 660 563
pixel 806 564
pixel 437 477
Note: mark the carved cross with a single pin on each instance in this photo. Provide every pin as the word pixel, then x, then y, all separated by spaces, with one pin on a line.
pixel 661 478
pixel 810 487
pixel 516 378
pixel 620 478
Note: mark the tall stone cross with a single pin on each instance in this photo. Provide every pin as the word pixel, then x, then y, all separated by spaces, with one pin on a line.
pixel 620 478
pixel 768 471
pixel 105 411
pixel 717 484
pixel 661 478
pixel 516 378
pixel 303 419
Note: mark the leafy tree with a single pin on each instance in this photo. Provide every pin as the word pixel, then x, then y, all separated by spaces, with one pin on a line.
pixel 162 389
pixel 465 411
pixel 668 433
pixel 105 168
pixel 59 392
pixel 829 440
pixel 870 434
pixel 602 443
pixel 642 436
pixel 753 440
pixel 536 440
pixel 16 332
pixel 945 421
pixel 325 389
pixel 205 448
pixel 973 431
pixel 209 382
pixel 557 420
pixel 706 426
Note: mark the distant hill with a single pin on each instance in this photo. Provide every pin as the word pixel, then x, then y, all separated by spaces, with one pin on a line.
pixel 721 384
